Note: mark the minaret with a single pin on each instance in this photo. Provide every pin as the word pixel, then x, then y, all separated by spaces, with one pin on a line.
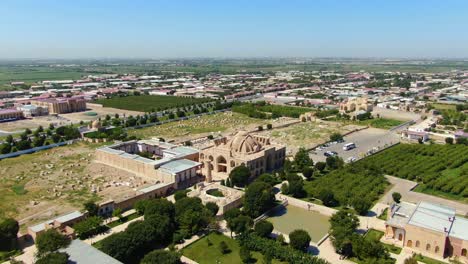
pixel 208 171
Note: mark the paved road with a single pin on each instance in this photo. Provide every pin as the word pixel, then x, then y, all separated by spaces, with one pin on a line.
pixel 365 140
pixel 404 187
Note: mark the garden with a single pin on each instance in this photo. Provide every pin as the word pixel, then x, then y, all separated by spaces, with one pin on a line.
pixel 440 170
pixel 209 250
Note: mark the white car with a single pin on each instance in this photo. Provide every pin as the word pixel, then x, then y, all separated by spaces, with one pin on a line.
pixel 351 159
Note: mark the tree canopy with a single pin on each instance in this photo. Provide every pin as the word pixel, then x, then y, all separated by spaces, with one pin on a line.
pixel 239 176
pixel 259 197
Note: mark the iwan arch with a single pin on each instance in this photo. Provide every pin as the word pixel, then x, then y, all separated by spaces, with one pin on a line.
pixel 255 152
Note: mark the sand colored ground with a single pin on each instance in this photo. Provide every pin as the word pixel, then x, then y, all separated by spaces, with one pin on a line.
pixel 204 125
pixel 65 119
pixel 306 134
pixel 39 186
pixel 100 111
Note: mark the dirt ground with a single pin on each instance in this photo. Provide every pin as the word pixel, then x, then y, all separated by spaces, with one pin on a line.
pixel 307 134
pixel 64 119
pixel 100 111
pixel 39 186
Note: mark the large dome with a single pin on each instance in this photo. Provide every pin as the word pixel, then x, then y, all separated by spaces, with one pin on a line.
pixel 242 142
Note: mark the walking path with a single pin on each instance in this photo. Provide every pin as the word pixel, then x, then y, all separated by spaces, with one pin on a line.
pixel 405 187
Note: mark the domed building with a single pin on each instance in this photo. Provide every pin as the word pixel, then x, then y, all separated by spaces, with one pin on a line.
pixel 255 152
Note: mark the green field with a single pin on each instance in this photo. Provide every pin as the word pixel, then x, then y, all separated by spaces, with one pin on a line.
pixel 147 103
pixel 383 123
pixel 440 170
pixel 203 253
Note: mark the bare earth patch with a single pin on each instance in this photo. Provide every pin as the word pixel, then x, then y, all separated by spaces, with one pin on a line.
pixel 39 186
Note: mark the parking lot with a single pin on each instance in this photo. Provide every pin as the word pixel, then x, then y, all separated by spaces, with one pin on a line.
pixel 365 140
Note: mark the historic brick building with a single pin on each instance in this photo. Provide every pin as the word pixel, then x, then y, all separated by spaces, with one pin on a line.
pixel 255 152
pixel 429 229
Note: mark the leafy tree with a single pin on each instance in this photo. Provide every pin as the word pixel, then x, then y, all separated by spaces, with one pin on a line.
pixel 320 166
pixel 91 207
pixel 269 126
pixel 117 213
pixel 23 145
pixel 336 137
pixel 232 213
pixel 308 172
pixel 9 228
pixel 267 178
pixel 263 228
pixel 411 260
pixel 212 207
pixel 449 140
pixel 9 139
pixel 180 194
pixel 191 215
pixel 161 256
pixel 50 241
pixel 161 207
pixel 342 227
pixel 396 197
pixel 240 224
pixel 281 240
pixel 334 162
pixel 327 197
pixel 239 176
pixel 245 255
pixel 223 248
pixel 53 258
pixel 89 227
pixel 259 197
pixel 361 205
pixel 299 239
pixel 5 148
pixel 302 160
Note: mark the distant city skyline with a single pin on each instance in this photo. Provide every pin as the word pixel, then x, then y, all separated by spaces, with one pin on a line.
pixel 227 29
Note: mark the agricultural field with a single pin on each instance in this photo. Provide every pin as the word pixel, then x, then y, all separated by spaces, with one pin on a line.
pixel 150 103
pixel 38 73
pixel 57 181
pixel 219 122
pixel 440 170
pixel 352 185
pixel 207 253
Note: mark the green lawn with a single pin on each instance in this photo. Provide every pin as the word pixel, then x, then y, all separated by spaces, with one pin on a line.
pixel 383 123
pixel 147 103
pixel 377 235
pixel 383 216
pixel 428 260
pixel 124 220
pixel 203 253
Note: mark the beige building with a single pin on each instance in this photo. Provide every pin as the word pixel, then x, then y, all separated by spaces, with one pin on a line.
pixel 61 105
pixel 153 160
pixel 255 152
pixel 429 229
pixel 356 104
pixel 10 114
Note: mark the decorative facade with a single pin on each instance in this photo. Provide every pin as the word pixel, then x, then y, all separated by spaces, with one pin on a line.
pixel 428 229
pixel 61 105
pixel 255 152
pixel 356 104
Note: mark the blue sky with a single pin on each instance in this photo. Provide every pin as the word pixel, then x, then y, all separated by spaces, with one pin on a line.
pixel 233 28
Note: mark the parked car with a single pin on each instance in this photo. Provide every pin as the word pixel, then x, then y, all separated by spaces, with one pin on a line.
pixel 330 153
pixel 351 159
